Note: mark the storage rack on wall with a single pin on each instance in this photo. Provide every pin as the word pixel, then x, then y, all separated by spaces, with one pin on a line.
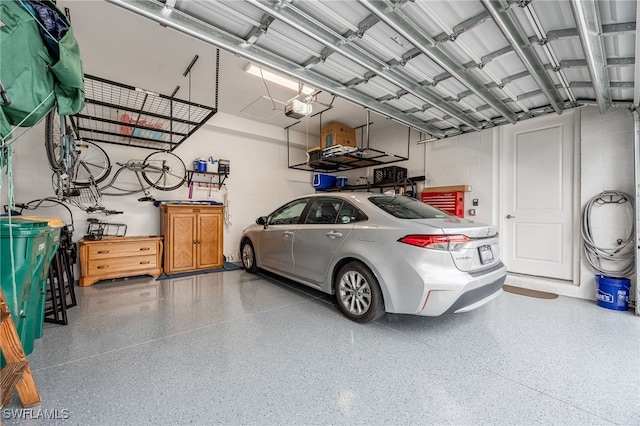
pixel 120 114
pixel 212 179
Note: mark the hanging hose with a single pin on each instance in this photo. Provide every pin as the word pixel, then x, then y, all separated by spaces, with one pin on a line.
pixel 623 254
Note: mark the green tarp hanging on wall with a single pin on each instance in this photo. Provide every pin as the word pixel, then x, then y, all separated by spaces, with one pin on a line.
pixel 31 75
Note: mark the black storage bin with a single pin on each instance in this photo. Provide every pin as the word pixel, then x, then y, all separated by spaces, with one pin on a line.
pixel 390 174
pixel 224 167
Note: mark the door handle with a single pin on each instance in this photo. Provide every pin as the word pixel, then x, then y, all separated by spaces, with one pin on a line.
pixel 288 233
pixel 334 234
pixel 510 217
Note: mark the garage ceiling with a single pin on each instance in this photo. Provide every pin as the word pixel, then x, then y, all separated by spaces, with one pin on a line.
pixel 441 67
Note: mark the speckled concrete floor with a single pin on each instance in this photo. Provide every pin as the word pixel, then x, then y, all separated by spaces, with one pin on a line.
pixel 236 348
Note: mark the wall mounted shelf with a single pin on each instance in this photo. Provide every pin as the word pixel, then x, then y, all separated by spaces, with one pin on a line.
pixel 205 177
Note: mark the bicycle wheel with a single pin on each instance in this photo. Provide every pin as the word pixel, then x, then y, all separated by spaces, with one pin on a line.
pixel 164 171
pixel 92 162
pixel 53 140
pixel 86 158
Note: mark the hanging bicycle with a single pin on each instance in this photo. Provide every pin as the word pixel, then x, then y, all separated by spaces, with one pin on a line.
pixel 79 167
pixel 161 170
pixel 74 162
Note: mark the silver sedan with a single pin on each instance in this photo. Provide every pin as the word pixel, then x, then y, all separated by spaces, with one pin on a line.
pixel 378 253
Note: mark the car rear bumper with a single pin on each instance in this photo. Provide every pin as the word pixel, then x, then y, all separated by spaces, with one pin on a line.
pixel 469 292
pixel 477 297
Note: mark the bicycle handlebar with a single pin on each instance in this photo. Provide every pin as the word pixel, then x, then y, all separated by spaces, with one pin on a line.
pixel 103 210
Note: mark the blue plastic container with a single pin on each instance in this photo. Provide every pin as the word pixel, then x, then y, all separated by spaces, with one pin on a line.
pixel 341 181
pixel 200 165
pixel 613 293
pixel 323 181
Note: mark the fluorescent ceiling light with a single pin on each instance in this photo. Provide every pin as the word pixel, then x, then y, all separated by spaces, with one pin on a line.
pixel 428 139
pixel 278 79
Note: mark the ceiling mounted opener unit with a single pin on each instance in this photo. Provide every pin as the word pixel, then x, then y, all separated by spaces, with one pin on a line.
pixel 297 109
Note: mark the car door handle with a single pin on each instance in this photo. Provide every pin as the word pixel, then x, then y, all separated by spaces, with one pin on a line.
pixel 334 234
pixel 288 233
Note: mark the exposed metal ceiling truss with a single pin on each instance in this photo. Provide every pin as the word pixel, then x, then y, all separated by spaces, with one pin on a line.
pixel 441 67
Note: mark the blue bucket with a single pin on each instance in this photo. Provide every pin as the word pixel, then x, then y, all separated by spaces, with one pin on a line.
pixel 613 293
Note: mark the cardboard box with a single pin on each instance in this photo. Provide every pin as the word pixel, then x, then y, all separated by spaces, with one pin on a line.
pixel 337 134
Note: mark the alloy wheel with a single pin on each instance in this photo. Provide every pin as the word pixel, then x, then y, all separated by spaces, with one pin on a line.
pixel 355 293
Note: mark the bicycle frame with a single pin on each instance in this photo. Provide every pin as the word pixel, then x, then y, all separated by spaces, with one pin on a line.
pixel 135 166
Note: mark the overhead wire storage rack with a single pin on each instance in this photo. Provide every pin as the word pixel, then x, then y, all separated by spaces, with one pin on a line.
pixel 361 157
pixel 120 114
pixel 346 158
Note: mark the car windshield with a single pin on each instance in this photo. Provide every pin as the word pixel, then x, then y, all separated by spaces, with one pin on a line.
pixel 407 208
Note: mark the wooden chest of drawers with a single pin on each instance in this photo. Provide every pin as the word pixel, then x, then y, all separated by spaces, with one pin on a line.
pixel 118 257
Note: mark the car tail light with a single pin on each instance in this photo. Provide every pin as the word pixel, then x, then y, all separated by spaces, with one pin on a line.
pixel 437 242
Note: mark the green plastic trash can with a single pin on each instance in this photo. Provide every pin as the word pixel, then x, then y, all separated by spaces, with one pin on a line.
pixel 29 240
pixel 34 320
pixel 38 298
pixel 39 290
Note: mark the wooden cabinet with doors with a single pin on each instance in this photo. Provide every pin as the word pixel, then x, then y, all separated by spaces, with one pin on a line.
pixel 192 237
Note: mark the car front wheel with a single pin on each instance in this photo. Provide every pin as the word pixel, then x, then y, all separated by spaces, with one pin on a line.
pixel 248 256
pixel 358 293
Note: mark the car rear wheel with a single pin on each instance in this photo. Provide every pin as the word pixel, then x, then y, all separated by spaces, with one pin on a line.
pixel 248 256
pixel 358 293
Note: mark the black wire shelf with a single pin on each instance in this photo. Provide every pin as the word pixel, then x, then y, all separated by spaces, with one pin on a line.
pixel 120 114
pixel 362 157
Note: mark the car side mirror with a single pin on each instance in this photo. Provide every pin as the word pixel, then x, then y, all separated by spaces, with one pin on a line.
pixel 262 220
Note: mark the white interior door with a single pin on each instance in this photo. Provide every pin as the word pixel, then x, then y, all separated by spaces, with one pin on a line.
pixel 537 197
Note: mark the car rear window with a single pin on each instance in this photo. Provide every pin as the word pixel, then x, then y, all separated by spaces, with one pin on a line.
pixel 407 208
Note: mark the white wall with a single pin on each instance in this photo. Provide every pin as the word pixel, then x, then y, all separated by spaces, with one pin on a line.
pixel 607 160
pixel 466 160
pixel 607 155
pixel 260 179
